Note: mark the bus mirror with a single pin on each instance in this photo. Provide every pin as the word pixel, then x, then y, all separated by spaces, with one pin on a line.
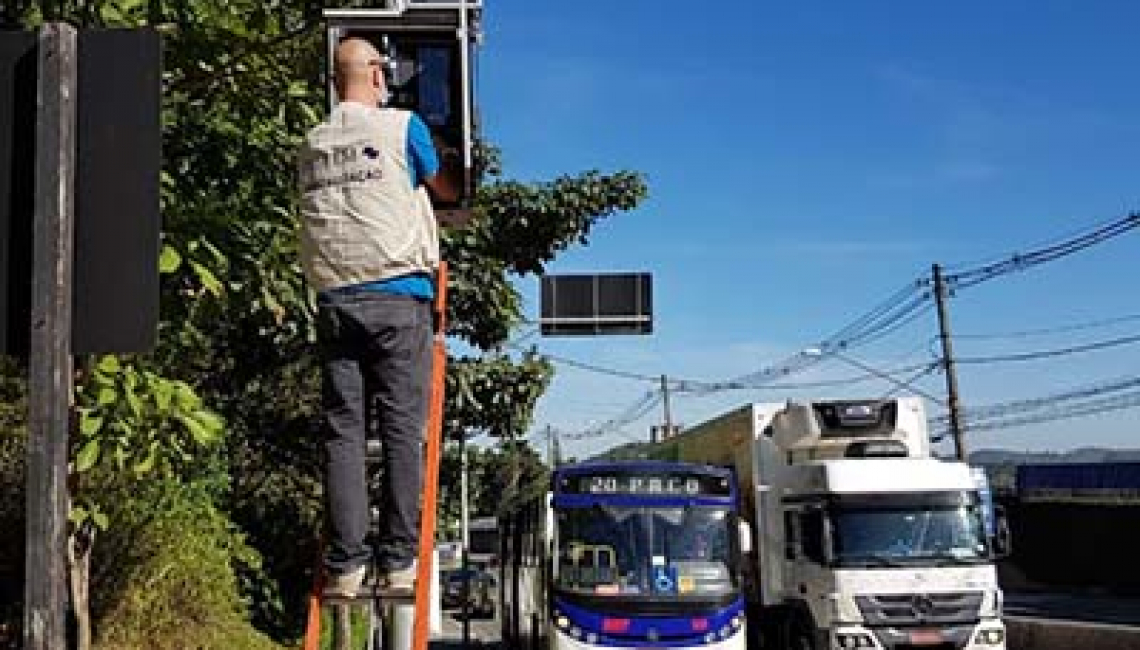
pixel 745 532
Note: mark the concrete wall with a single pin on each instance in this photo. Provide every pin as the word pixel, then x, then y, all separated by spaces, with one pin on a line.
pixel 1034 634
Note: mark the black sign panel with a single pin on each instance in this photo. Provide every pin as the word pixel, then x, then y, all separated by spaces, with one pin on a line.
pixel 118 158
pixel 119 143
pixel 616 303
pixel 18 61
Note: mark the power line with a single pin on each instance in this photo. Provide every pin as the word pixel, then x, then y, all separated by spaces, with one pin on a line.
pixel 1013 407
pixel 702 388
pixel 1060 329
pixel 601 370
pixel 1045 354
pixel 1022 261
pixel 881 320
pixel 1094 407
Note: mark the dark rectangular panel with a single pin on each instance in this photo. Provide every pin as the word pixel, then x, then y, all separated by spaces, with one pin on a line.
pixel 117 191
pixel 17 186
pixel 616 303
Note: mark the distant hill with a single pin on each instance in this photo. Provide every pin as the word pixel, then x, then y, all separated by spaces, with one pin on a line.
pixel 997 457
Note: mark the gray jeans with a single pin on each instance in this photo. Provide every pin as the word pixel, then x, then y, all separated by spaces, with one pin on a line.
pixel 376 349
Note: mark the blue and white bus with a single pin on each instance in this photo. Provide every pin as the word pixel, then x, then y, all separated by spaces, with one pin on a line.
pixel 625 555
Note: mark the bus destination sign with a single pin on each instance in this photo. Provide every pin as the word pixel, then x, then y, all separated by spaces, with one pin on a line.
pixel 672 485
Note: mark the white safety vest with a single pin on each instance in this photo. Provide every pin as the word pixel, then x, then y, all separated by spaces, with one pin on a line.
pixel 361 218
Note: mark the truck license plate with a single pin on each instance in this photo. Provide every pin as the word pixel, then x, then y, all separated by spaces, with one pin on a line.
pixel 925 637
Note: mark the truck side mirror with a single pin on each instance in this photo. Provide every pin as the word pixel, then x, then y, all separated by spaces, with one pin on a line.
pixel 744 530
pixel 1002 540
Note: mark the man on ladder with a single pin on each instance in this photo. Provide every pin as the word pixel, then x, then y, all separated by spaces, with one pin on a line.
pixel 370 247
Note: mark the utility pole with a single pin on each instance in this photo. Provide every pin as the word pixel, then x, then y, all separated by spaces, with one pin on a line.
pixel 940 296
pixel 465 539
pixel 668 430
pixel 549 431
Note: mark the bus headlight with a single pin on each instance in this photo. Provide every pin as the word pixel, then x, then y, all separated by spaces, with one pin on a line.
pixel 561 622
pixel 591 638
pixel 710 638
pixel 737 621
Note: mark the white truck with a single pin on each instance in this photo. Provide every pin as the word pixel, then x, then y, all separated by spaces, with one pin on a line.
pixel 860 538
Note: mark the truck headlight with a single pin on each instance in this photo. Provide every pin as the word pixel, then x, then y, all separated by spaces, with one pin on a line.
pixel 991 637
pixel 854 640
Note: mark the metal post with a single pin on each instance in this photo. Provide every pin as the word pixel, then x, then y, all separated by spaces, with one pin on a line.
pixel 668 431
pixel 50 381
pixel 465 535
pixel 948 364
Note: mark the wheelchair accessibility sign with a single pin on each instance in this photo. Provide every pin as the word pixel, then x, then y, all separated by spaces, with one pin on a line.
pixel 665 579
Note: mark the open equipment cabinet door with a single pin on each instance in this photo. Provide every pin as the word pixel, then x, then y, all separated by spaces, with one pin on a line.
pixel 430 50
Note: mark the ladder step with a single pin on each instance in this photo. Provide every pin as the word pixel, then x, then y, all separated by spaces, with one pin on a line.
pixel 373 450
pixel 367 595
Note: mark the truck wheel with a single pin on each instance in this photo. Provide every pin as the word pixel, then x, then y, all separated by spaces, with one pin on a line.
pixel 800 635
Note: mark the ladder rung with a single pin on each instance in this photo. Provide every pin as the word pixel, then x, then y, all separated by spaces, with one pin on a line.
pixel 367 595
pixel 373 449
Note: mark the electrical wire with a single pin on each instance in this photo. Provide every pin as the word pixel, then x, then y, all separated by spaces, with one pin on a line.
pixel 1046 354
pixel 1094 407
pixel 1045 331
pixel 1003 409
pixel 1022 261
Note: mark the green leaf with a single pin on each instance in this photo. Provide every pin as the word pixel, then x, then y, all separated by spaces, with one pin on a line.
pixel 77 514
pixel 163 395
pixel 88 456
pixel 169 260
pixel 134 403
pixel 199 432
pixel 147 463
pixel 107 396
pixel 208 279
pixel 109 364
pixel 100 519
pixel 89 422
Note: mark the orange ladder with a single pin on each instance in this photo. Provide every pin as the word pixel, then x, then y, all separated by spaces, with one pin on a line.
pixel 421 598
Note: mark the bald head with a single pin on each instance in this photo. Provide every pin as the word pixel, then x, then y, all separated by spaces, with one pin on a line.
pixel 359 76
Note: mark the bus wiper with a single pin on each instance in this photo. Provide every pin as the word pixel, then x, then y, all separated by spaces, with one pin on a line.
pixel 947 559
pixel 876 559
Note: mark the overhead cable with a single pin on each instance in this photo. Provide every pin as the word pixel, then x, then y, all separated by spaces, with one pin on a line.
pixel 1045 354
pixel 1022 261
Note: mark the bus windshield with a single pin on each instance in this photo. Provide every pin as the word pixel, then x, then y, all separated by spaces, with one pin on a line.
pixel 656 552
pixel 950 534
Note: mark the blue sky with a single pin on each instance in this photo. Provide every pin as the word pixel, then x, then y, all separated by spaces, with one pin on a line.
pixel 807 159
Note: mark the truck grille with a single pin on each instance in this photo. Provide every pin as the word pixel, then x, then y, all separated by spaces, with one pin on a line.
pixel 920 609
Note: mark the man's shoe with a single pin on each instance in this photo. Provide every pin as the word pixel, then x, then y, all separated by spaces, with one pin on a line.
pixel 399 579
pixel 345 585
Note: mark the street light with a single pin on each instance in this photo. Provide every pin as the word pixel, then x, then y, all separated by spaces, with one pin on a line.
pixel 819 354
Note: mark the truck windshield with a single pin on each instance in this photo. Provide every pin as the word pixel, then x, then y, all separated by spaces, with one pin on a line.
pixel 674 553
pixel 883 534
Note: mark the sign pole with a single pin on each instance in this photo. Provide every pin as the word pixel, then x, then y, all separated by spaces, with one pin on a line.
pixel 50 380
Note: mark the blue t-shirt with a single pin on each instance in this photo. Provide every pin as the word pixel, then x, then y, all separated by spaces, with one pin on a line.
pixel 424 163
